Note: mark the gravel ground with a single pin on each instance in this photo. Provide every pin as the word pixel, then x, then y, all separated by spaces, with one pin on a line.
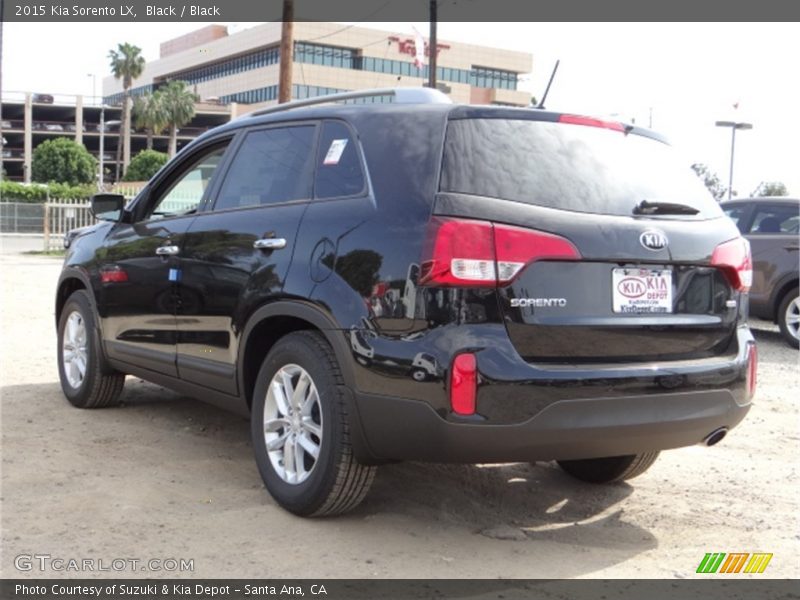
pixel 164 476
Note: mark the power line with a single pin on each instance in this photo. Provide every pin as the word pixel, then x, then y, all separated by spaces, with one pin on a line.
pixel 346 27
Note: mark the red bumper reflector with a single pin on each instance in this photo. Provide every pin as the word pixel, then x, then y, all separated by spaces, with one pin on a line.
pixel 752 370
pixel 464 384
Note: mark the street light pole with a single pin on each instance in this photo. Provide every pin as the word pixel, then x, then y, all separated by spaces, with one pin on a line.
pixel 734 126
pixel 101 180
pixel 94 86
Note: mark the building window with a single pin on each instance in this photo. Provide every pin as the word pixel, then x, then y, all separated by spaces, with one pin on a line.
pixel 246 62
pixel 331 56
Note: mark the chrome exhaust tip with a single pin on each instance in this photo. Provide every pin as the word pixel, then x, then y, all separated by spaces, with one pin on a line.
pixel 715 437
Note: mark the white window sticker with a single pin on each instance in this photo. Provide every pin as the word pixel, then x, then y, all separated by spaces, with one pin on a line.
pixel 335 152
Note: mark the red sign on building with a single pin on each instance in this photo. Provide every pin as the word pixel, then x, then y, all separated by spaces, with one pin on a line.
pixel 407 46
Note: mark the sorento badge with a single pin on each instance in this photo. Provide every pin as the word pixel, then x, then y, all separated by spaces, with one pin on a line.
pixel 652 239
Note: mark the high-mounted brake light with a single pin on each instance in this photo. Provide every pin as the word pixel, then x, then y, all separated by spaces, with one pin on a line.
pixel 464 252
pixel 591 122
pixel 733 257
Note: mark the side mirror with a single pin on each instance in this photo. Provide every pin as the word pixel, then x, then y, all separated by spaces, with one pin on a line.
pixel 107 207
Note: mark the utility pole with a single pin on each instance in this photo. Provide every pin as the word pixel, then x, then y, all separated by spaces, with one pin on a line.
pixel 432 47
pixel 287 50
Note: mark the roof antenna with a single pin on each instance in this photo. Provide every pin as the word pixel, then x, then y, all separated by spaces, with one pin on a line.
pixel 549 83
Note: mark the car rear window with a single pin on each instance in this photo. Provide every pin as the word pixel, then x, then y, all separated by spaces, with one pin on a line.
pixel 567 166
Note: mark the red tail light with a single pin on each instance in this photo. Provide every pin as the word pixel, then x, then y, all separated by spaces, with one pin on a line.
pixel 752 370
pixel 733 257
pixel 591 122
pixel 462 252
pixel 464 384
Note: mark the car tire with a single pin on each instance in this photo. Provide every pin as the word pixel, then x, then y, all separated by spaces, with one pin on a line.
pixel 789 317
pixel 86 378
pixel 315 420
pixel 609 469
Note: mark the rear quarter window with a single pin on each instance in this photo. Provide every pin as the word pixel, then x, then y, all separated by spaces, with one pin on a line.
pixel 566 166
pixel 338 171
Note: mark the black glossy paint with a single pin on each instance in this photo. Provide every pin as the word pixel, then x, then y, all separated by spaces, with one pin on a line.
pixel 350 268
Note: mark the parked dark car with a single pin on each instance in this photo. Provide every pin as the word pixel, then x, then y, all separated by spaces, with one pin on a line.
pixel 43 98
pixel 417 280
pixel 772 225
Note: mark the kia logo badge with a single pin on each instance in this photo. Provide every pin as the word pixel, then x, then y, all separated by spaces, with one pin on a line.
pixel 653 239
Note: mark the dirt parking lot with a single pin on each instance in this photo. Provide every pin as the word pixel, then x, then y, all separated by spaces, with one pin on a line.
pixel 164 476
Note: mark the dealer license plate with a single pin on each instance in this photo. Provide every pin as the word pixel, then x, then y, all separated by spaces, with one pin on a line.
pixel 641 290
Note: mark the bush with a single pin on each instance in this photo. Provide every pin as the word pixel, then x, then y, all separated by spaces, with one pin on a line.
pixel 63 160
pixel 17 192
pixel 63 190
pixel 144 165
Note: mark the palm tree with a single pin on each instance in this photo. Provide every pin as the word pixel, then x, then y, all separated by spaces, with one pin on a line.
pixel 149 114
pixel 127 64
pixel 178 102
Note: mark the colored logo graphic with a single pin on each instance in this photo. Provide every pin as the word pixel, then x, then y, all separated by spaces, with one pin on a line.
pixel 734 562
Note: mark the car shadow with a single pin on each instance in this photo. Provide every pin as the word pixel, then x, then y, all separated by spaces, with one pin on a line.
pixel 531 513
pixel 767 335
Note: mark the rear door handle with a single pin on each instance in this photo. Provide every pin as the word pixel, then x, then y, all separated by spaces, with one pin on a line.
pixel 269 244
pixel 790 248
pixel 167 250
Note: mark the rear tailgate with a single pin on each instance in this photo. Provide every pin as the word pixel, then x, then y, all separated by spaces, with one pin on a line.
pixel 643 287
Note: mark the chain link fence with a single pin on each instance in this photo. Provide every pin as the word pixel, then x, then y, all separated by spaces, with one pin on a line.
pixel 21 217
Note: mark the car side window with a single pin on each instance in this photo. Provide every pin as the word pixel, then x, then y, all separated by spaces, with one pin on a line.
pixel 184 195
pixel 775 219
pixel 339 170
pixel 737 214
pixel 270 166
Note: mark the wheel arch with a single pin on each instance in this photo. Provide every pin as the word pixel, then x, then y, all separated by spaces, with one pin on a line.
pixel 72 280
pixel 273 321
pixel 780 291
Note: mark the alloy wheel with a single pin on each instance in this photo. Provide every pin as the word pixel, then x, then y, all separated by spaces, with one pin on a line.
pixel 792 318
pixel 293 424
pixel 74 355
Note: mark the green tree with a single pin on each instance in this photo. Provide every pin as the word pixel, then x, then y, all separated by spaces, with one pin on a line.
pixel 127 64
pixel 64 161
pixel 710 180
pixel 149 114
pixel 178 102
pixel 771 188
pixel 144 165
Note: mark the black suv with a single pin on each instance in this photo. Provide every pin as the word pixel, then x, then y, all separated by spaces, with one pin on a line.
pixel 416 280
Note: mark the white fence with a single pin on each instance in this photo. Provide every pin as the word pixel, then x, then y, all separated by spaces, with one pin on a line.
pixel 56 217
pixel 60 216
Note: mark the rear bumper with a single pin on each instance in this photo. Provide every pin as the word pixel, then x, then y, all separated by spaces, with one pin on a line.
pixel 528 412
pixel 567 429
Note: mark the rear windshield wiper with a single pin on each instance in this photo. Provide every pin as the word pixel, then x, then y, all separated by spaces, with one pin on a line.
pixel 645 207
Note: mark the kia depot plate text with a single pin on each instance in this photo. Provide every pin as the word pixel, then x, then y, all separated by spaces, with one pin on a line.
pixel 642 290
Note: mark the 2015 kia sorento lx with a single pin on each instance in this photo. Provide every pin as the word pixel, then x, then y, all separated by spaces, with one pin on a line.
pixel 418 280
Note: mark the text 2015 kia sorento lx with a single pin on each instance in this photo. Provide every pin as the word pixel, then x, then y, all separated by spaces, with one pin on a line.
pixel 420 280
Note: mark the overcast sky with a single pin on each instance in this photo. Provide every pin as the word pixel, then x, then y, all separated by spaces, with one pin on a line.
pixel 687 76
